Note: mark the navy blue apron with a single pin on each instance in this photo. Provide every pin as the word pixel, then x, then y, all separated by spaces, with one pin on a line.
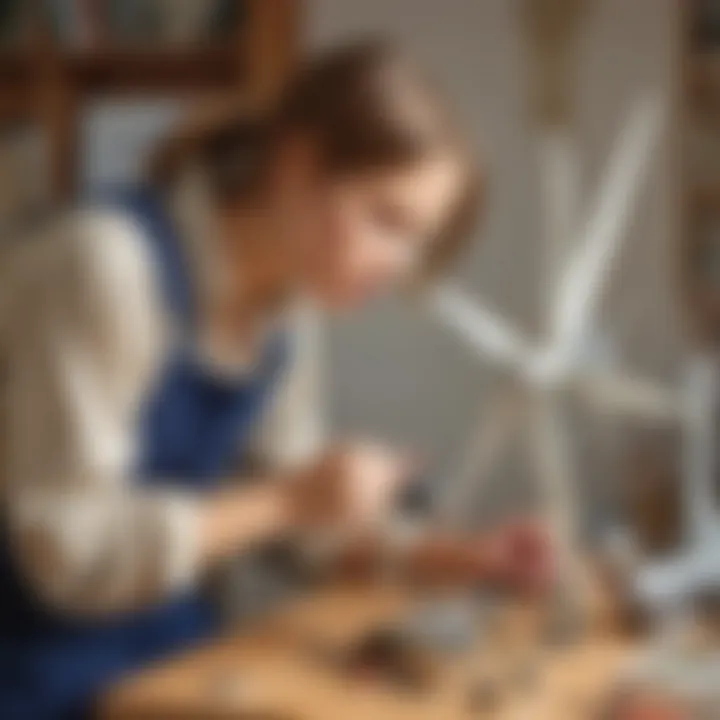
pixel 191 434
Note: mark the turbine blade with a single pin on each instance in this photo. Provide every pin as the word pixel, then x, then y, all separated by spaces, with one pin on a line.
pixel 485 331
pixel 613 395
pixel 588 270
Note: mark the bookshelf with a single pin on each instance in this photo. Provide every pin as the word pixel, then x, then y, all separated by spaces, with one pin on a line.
pixel 700 166
pixel 46 81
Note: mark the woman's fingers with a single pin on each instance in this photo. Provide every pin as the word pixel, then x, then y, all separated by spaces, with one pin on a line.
pixel 519 555
pixel 355 484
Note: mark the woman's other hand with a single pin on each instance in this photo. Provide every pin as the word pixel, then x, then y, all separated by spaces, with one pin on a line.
pixel 519 556
pixel 516 557
pixel 351 487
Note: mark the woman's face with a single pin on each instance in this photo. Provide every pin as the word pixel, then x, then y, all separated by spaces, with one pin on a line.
pixel 351 239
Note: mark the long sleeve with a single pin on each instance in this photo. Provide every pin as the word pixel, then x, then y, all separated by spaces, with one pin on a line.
pixel 83 331
pixel 293 429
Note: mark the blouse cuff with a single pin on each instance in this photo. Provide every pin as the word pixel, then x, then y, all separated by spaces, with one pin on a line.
pixel 182 537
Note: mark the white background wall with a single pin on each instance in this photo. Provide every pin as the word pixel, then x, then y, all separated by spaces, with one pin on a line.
pixel 394 372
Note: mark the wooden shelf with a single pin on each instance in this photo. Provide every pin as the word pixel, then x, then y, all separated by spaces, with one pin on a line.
pixel 143 70
pixel 52 82
pixel 126 69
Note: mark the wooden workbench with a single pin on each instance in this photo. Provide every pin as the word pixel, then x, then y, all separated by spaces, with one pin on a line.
pixel 274 673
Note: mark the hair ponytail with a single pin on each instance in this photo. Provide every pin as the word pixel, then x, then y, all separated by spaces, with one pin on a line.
pixel 231 147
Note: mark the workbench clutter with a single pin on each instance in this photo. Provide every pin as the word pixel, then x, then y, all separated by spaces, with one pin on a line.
pixel 382 651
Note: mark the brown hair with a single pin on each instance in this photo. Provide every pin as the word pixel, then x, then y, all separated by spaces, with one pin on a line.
pixel 365 106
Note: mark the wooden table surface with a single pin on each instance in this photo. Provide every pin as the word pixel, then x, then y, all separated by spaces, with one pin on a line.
pixel 275 673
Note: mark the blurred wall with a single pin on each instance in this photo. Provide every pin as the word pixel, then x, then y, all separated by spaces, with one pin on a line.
pixel 117 137
pixel 394 371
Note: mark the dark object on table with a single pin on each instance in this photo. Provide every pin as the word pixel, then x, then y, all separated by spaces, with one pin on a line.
pixel 416 499
pixel 386 656
pixel 484 695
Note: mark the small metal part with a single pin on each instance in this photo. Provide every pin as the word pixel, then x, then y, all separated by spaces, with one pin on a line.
pixel 385 655
pixel 446 626
pixel 417 498
pixel 377 649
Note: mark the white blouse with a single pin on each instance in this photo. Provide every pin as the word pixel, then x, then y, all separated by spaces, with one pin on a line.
pixel 83 332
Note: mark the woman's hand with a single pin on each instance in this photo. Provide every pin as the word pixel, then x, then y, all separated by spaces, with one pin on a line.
pixel 348 489
pixel 515 557
pixel 351 487
pixel 519 556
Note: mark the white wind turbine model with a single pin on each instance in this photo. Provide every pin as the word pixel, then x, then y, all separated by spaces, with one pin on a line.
pixel 545 374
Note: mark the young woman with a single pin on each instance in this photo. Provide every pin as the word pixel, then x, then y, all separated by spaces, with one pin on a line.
pixel 154 343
